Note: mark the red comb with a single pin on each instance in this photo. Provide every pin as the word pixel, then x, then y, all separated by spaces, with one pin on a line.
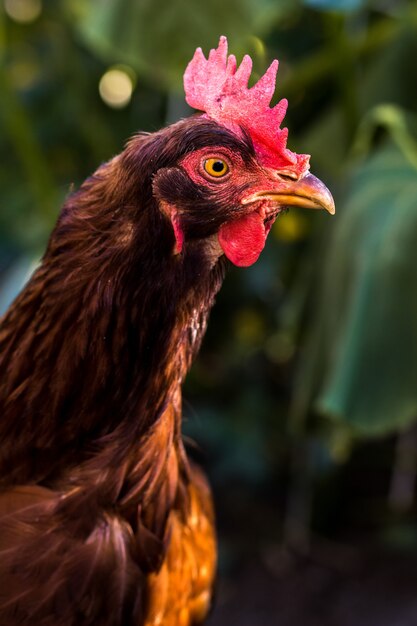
pixel 220 89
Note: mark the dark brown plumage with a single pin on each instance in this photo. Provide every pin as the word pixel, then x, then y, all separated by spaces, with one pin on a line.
pixel 96 487
pixel 102 518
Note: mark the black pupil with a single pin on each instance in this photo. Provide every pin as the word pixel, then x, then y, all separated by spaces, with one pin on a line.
pixel 218 166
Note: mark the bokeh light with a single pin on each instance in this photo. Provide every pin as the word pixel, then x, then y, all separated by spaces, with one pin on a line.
pixel 258 46
pixel 116 87
pixel 293 228
pixel 23 11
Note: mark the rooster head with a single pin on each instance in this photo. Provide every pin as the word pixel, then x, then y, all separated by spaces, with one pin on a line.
pixel 236 174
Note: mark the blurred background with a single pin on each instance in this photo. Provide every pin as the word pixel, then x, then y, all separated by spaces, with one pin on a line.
pixel 302 405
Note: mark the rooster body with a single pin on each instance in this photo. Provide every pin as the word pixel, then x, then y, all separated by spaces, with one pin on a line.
pixel 103 520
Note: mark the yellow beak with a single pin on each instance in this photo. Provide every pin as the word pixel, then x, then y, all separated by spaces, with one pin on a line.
pixel 307 192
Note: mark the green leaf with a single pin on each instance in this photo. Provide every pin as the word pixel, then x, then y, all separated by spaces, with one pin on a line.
pixel 366 329
pixel 400 124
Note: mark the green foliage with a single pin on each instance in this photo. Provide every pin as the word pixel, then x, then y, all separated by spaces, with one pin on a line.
pixel 159 38
pixel 361 363
pixel 366 323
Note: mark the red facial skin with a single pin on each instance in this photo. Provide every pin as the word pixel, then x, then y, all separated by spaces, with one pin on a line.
pixel 258 193
pixel 243 238
pixel 251 177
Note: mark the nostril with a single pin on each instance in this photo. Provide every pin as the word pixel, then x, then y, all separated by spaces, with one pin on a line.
pixel 287 175
pixel 284 174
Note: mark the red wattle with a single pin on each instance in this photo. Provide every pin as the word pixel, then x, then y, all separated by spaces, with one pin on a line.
pixel 243 240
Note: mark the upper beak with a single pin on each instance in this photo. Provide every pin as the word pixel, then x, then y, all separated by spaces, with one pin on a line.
pixel 308 192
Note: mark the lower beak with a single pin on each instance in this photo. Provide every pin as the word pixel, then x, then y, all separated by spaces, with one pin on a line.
pixel 307 192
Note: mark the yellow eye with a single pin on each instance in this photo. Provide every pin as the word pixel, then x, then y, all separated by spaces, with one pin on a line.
pixel 216 167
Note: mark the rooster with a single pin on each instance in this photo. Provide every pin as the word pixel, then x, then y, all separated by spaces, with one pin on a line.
pixel 103 520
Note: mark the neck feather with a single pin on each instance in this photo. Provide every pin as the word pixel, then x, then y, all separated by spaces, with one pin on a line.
pixel 95 348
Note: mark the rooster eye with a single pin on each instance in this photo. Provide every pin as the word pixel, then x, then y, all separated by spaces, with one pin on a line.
pixel 216 167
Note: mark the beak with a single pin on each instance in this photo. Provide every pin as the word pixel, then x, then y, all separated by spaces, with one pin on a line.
pixel 307 192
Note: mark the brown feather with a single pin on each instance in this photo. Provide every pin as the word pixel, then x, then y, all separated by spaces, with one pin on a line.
pixel 102 521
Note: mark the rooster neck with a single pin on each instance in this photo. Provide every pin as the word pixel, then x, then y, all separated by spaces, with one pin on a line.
pixel 95 348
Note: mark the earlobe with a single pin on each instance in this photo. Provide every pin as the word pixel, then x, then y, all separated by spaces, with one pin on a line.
pixel 171 212
pixel 178 232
